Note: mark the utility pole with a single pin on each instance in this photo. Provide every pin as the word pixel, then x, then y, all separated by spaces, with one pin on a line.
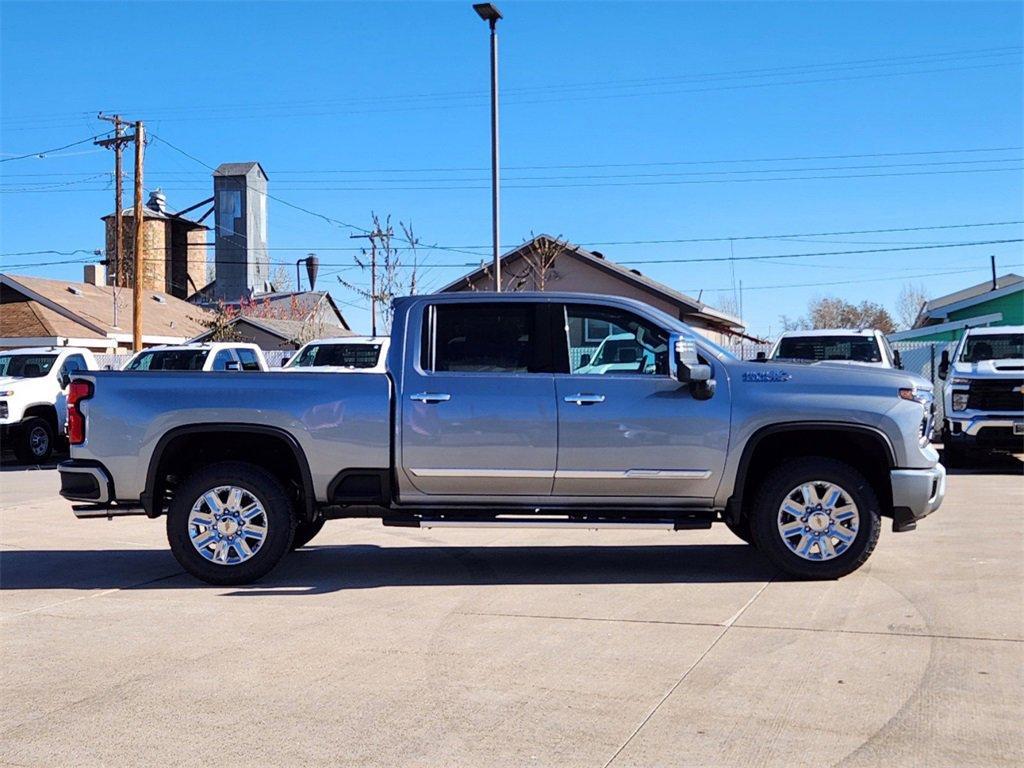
pixel 372 237
pixel 117 143
pixel 490 13
pixel 140 141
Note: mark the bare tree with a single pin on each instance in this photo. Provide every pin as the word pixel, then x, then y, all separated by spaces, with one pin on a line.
pixel 909 302
pixel 391 274
pixel 535 266
pixel 281 279
pixel 833 312
pixel 727 303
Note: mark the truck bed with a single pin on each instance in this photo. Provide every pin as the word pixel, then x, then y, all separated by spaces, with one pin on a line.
pixel 338 421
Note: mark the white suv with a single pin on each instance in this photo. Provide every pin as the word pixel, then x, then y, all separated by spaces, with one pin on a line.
pixel 33 381
pixel 216 356
pixel 863 346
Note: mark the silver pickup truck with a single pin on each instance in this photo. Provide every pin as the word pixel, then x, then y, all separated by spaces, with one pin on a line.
pixel 490 414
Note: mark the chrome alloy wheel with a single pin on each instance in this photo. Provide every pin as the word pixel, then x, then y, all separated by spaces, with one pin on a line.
pixel 227 525
pixel 818 520
pixel 38 441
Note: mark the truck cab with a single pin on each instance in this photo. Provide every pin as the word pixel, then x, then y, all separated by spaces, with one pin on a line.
pixel 983 396
pixel 33 381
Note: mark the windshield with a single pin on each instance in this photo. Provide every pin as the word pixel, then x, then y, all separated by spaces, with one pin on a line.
pixel 1002 346
pixel 860 349
pixel 343 355
pixel 26 366
pixel 169 360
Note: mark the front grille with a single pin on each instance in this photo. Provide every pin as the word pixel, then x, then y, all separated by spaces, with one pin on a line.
pixel 3 409
pixel 996 395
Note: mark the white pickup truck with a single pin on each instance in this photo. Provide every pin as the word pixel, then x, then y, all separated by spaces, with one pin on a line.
pixel 344 354
pixel 984 393
pixel 33 381
pixel 857 346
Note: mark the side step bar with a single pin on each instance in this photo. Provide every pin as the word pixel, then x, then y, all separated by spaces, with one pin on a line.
pixel 533 522
pixel 91 511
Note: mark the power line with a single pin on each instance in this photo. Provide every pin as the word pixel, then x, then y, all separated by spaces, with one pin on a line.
pixel 907 60
pixel 471 187
pixel 696 260
pixel 581 166
pixel 664 241
pixel 44 152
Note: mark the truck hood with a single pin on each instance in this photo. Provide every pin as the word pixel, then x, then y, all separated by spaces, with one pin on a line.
pixel 989 369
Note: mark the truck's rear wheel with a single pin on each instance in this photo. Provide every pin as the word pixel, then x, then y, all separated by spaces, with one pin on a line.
pixel 33 442
pixel 305 531
pixel 230 523
pixel 816 518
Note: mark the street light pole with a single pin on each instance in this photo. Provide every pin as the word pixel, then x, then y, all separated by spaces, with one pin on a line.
pixel 490 13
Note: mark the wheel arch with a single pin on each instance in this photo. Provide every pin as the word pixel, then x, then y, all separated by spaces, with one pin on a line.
pixel 865 448
pixel 171 451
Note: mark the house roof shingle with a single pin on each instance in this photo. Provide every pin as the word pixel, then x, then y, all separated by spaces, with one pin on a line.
pixel 66 308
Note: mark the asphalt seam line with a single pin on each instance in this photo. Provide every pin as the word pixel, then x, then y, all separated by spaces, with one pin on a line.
pixel 726 626
pixel 824 630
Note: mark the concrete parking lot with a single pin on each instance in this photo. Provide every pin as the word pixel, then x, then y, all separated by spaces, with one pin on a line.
pixel 398 647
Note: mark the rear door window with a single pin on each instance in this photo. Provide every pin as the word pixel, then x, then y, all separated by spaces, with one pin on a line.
pixel 221 360
pixel 248 359
pixel 499 337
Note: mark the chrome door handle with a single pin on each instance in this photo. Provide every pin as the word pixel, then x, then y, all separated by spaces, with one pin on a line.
pixel 584 399
pixel 431 397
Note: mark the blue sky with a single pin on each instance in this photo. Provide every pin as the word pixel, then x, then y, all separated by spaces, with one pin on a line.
pixel 621 122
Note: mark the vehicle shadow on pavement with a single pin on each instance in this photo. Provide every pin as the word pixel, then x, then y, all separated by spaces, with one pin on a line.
pixel 331 568
pixel 988 464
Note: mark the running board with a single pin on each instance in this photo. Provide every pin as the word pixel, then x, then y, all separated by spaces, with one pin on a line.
pixel 91 511
pixel 593 525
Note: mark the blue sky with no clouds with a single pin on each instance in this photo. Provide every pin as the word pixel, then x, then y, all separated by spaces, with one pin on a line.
pixel 621 122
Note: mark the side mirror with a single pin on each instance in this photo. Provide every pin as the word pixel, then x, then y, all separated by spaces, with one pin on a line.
pixel 944 364
pixel 585 361
pixel 284 361
pixel 897 360
pixel 232 365
pixel 64 379
pixel 686 368
pixel 761 357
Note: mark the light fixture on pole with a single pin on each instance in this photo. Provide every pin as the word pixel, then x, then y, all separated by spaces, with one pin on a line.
pixel 490 13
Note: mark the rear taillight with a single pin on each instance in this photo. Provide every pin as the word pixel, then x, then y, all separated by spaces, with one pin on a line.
pixel 77 392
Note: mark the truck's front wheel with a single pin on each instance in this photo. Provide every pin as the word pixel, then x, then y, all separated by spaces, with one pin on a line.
pixel 230 523
pixel 816 518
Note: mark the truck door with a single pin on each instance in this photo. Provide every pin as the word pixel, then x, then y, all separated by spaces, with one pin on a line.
pixel 625 426
pixel 477 400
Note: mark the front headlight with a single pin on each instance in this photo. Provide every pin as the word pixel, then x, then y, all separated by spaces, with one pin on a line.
pixel 922 396
pixel 7 393
pixel 960 401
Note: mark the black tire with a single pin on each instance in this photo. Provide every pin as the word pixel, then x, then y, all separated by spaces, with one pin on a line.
pixel 278 514
pixel 33 442
pixel 741 529
pixel 305 532
pixel 773 493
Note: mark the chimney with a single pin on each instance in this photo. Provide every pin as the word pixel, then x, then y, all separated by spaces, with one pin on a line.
pixel 157 201
pixel 95 274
